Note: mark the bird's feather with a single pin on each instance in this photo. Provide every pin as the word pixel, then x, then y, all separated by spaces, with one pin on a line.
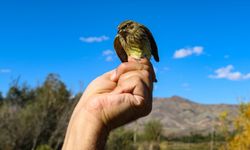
pixel 120 50
pixel 154 49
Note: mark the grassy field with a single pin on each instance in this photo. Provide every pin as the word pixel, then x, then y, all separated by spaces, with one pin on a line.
pixel 179 146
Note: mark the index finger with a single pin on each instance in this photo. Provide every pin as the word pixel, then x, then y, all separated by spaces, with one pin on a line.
pixel 144 61
pixel 125 67
pixel 130 66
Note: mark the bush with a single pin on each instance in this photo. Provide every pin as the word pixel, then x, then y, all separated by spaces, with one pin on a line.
pixel 120 139
pixel 241 137
pixel 44 147
pixel 152 131
pixel 31 117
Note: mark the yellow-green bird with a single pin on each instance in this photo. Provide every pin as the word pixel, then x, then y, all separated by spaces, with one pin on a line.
pixel 135 40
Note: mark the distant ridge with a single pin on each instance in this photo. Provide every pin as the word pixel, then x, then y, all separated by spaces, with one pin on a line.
pixel 181 116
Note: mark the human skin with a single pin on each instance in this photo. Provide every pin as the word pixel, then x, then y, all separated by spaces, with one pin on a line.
pixel 111 100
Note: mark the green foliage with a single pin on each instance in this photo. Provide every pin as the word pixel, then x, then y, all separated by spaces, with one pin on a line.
pixel 1 99
pixel 37 118
pixel 152 131
pixel 240 139
pixel 120 139
pixel 198 138
pixel 44 147
pixel 19 95
pixel 189 146
pixel 192 138
pixel 30 117
pixel 1 96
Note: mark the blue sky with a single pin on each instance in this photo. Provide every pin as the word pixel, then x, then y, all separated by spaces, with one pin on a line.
pixel 203 45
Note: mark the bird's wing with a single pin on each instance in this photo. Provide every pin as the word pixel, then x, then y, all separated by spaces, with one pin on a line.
pixel 120 50
pixel 154 49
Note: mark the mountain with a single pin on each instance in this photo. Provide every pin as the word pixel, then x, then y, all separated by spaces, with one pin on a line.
pixel 180 116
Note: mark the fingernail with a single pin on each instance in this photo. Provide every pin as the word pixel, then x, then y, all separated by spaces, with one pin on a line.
pixel 113 76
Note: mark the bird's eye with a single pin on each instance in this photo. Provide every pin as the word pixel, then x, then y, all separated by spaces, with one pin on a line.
pixel 125 26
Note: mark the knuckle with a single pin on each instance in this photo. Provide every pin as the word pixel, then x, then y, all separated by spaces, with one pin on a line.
pixel 144 61
pixel 140 102
pixel 137 79
pixel 138 66
pixel 146 67
pixel 143 67
pixel 146 73
pixel 122 66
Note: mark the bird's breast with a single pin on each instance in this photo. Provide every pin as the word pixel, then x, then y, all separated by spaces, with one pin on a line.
pixel 137 46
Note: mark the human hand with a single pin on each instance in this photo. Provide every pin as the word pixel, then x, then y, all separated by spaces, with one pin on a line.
pixel 114 99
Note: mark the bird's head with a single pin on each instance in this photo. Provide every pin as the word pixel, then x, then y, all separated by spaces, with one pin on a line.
pixel 127 27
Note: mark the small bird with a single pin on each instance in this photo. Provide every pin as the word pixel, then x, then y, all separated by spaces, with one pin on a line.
pixel 135 40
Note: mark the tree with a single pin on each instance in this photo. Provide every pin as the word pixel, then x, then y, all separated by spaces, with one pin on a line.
pixel 57 137
pixel 35 117
pixel 19 95
pixel 152 130
pixel 120 139
pixel 241 138
pixel 1 99
pixel 52 99
pixel 1 96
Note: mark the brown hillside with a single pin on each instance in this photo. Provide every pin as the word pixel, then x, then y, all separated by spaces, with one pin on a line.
pixel 180 116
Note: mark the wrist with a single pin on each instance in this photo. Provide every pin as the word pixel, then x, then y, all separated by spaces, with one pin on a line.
pixel 85 132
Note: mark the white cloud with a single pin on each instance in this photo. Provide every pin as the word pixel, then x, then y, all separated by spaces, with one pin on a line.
pixel 109 58
pixel 108 54
pixel 198 50
pixel 185 52
pixel 5 70
pixel 181 53
pixel 227 73
pixel 247 76
pixel 94 39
